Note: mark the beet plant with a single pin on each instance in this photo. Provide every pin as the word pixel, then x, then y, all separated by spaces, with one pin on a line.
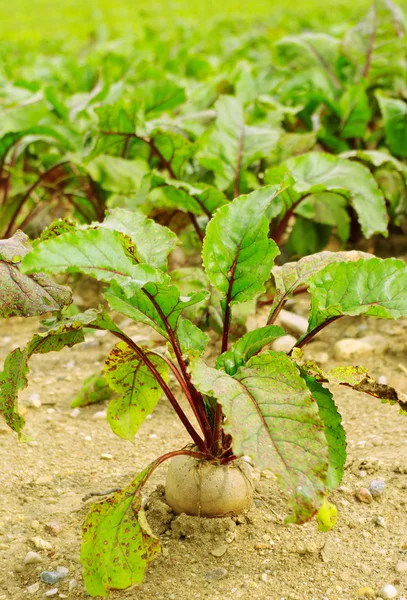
pixel 250 401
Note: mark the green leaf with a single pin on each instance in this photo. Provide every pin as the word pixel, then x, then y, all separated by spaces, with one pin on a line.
pixel 237 254
pixel 293 275
pixel 327 516
pixel 327 208
pixel 117 124
pixel 116 174
pixel 159 97
pixel 153 242
pixel 94 389
pixel 394 113
pixel 198 199
pixel 318 172
pixel 248 345
pixel 232 146
pixel 373 287
pixel 22 295
pixel 100 253
pixel 137 387
pixel 271 417
pixel 355 112
pixel 24 117
pixel 152 304
pixel 116 544
pixel 334 432
pixel 175 149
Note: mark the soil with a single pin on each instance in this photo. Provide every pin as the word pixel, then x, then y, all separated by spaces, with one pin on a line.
pixel 44 481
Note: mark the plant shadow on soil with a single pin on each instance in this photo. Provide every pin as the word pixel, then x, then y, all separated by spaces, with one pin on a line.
pixel 44 481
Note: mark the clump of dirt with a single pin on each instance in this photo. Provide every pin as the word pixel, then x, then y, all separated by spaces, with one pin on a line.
pixel 43 483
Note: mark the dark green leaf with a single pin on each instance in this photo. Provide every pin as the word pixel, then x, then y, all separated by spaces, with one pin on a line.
pixel 394 113
pixel 334 432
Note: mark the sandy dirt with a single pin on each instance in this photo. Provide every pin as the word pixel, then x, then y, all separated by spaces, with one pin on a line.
pixel 43 483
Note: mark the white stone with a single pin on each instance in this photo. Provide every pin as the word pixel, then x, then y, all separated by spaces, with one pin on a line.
pixel 350 347
pixel 401 566
pixel 41 544
pixel 75 413
pixel 34 401
pixel 52 592
pixel 32 589
pixel 284 343
pixel 388 591
pixel 106 456
pixel 100 415
pixel 294 323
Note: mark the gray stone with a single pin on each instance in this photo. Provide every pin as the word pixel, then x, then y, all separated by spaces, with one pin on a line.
pixel 63 570
pixel 52 577
pixel 32 589
pixel 72 584
pixel 350 347
pixel 388 591
pixel 294 323
pixel 216 574
pixel 32 558
pixel 376 487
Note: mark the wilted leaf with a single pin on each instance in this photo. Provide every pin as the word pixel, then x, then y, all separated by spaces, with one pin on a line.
pixel 271 417
pixel 138 390
pixel 23 295
pixel 116 548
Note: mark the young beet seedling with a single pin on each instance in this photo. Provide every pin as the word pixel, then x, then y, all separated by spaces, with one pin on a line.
pixel 269 405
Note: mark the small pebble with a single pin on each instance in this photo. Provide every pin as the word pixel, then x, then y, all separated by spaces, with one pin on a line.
pixel 32 589
pixel 349 347
pixel 52 577
pixel 34 401
pixel 219 550
pixel 284 343
pixel 63 570
pixel 53 527
pixel 52 592
pixel 376 487
pixel 32 558
pixel 364 495
pixel 72 584
pixel 41 544
pixel 380 521
pixel 388 591
pixel 100 415
pixel 293 322
pixel 216 574
pixel 366 592
pixel 106 456
pixel 75 413
pixel 401 566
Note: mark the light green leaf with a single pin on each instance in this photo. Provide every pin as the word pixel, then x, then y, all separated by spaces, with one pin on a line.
pixel 374 287
pixel 334 432
pixel 271 417
pixel 138 390
pixel 160 96
pixel 192 340
pixel 175 149
pixel 117 124
pixel 232 146
pixel 24 117
pixel 319 172
pixel 100 253
pixel 237 254
pixel 94 389
pixel 150 304
pixel 293 275
pixel 116 547
pixel 153 242
pixel 116 174
pixel 355 112
pixel 248 345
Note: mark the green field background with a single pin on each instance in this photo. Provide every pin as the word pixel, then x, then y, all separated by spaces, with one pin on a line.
pixel 45 20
